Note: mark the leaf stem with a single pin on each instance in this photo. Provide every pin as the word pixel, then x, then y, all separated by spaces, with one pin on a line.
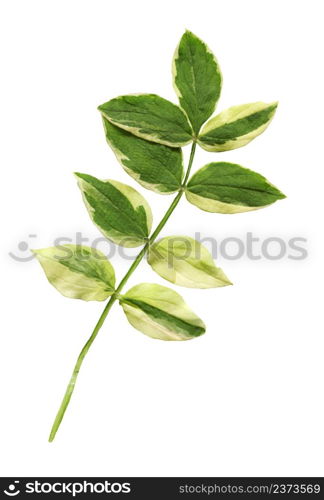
pixel 70 388
pixel 71 384
pixel 192 154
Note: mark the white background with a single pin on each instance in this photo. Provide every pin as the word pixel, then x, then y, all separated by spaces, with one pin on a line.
pixel 247 397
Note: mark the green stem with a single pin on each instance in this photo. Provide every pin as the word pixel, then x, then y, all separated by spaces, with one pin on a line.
pixel 192 154
pixel 71 384
pixel 114 297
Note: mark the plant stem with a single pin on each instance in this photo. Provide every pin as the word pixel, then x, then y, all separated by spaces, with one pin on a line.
pixel 113 298
pixel 192 154
pixel 71 384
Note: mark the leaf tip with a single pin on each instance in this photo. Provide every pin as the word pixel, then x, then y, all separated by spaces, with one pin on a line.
pixel 78 175
pixel 274 106
pixel 189 33
pixel 280 194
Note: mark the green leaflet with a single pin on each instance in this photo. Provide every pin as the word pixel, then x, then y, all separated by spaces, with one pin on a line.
pixel 186 262
pixel 118 210
pixel 236 126
pixel 78 272
pixel 150 117
pixel 197 79
pixel 160 313
pixel 154 166
pixel 228 188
